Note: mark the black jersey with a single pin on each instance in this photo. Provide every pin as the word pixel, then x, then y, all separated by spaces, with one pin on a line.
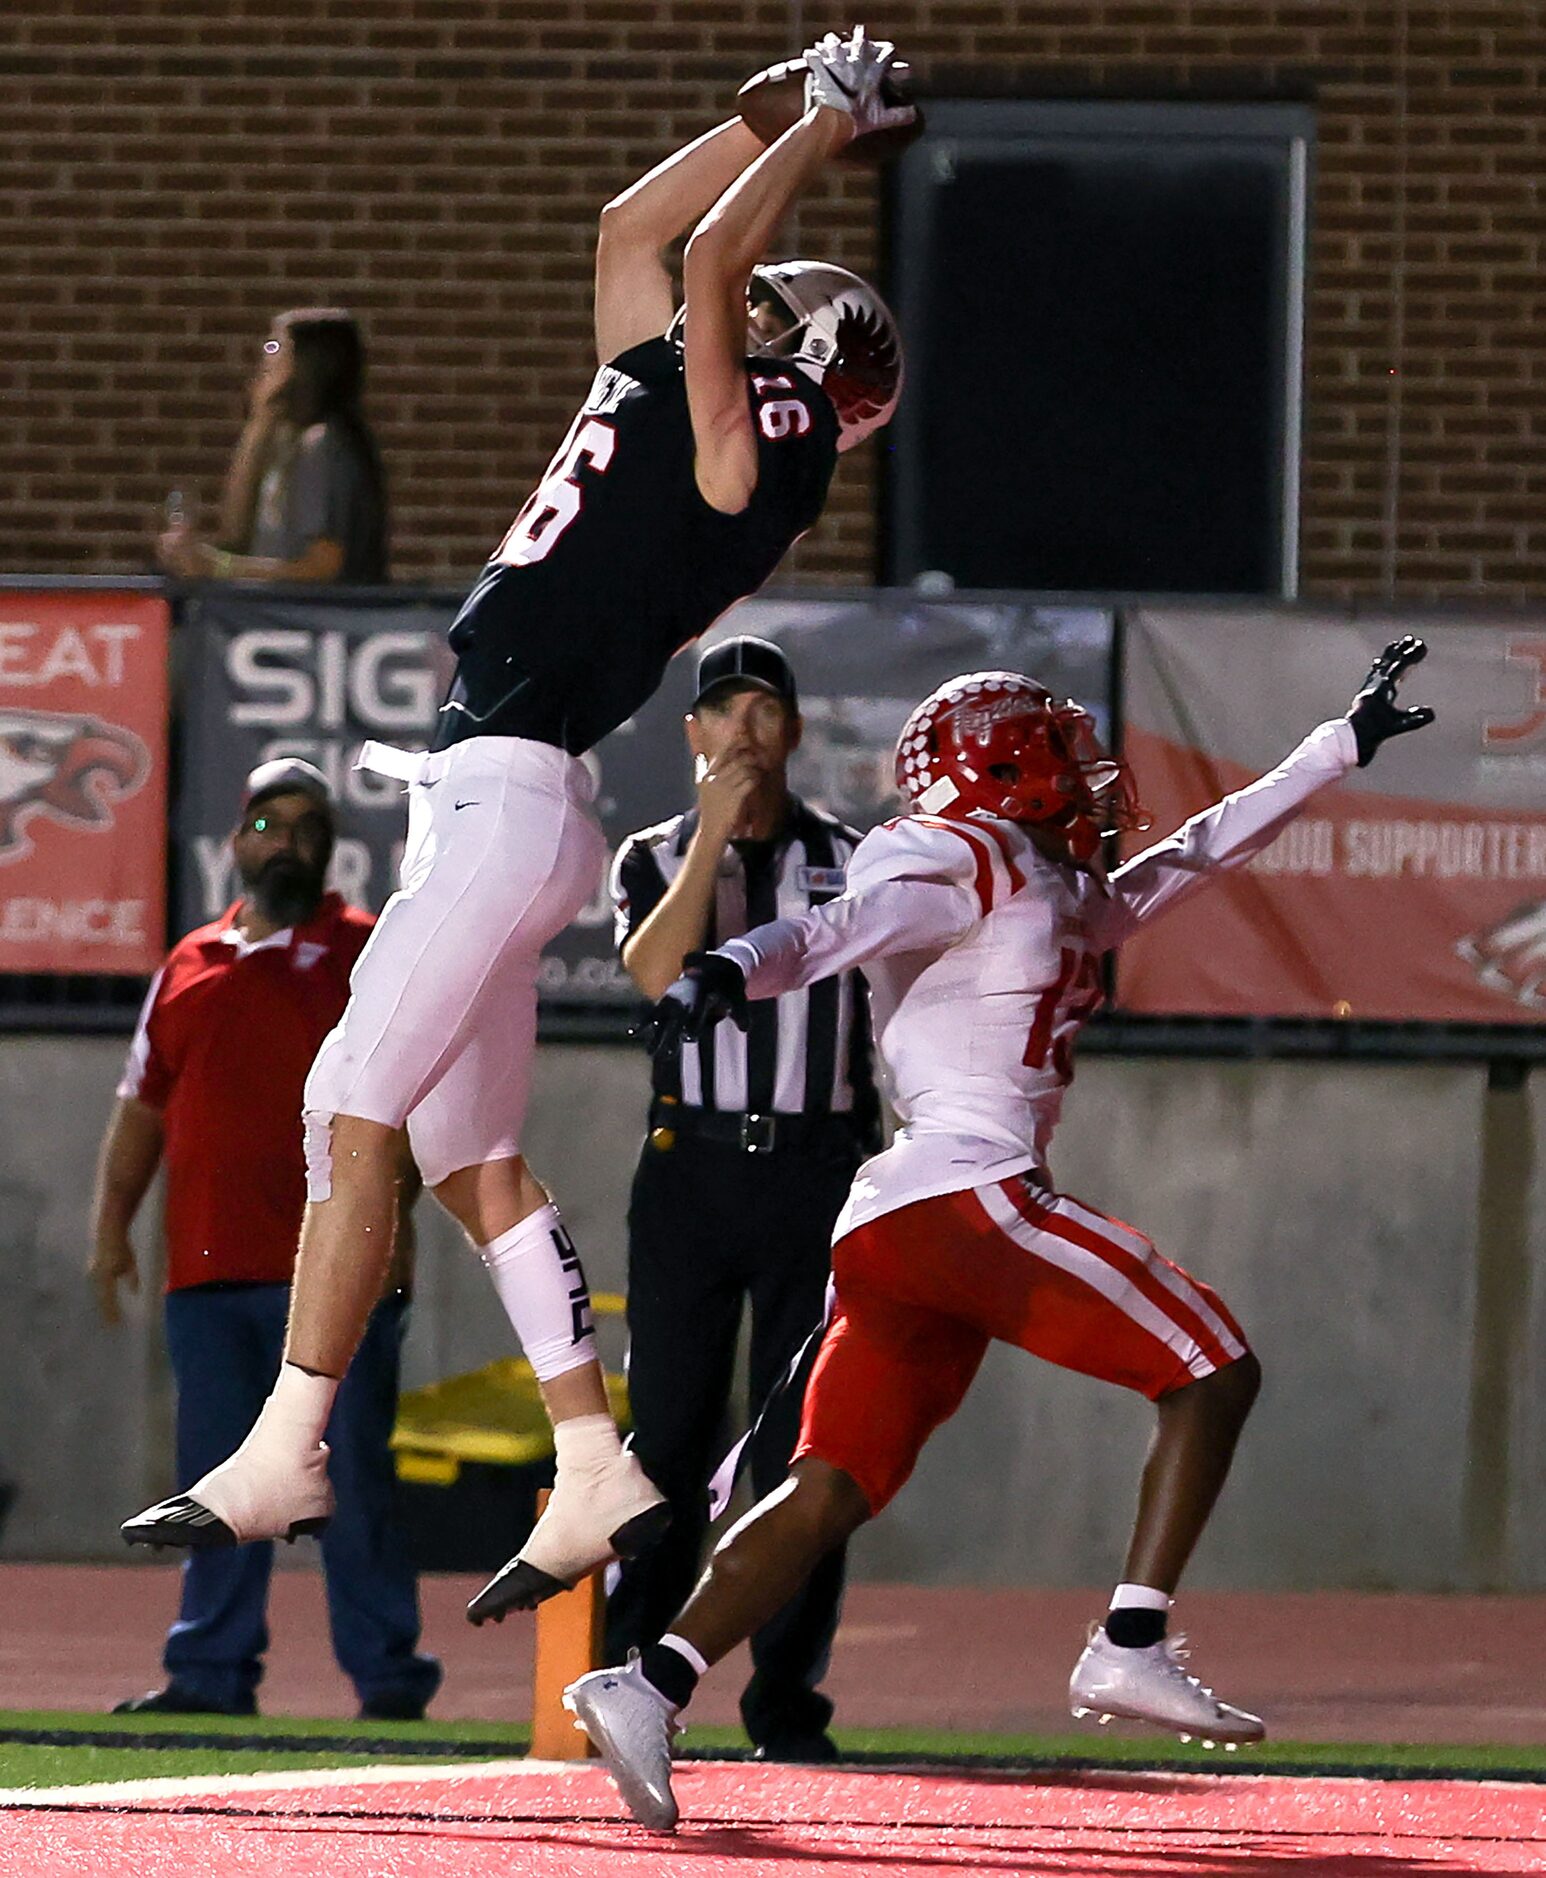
pixel 616 562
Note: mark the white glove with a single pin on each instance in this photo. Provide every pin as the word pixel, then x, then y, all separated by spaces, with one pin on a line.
pixel 846 74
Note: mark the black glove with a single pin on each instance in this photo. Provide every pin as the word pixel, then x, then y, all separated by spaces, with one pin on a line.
pixel 1374 713
pixel 710 987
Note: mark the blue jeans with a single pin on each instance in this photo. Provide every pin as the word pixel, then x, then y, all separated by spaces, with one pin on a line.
pixel 225 1348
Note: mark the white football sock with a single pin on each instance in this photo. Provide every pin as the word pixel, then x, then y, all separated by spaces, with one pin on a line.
pixel 541 1284
pixel 1140 1598
pixel 685 1650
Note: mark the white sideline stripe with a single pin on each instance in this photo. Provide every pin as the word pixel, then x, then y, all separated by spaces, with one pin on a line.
pixel 1143 1250
pixel 168 1786
pixel 1095 1273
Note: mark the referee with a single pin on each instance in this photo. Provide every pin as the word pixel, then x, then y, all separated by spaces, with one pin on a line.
pixel 752 1145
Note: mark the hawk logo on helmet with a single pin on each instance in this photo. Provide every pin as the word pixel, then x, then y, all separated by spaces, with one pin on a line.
pixel 866 366
pixel 73 769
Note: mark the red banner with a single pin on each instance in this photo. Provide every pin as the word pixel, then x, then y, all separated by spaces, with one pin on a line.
pixel 1413 890
pixel 83 762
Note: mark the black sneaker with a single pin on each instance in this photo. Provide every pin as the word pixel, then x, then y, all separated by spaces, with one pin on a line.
pixel 174 1701
pixel 817 1749
pixel 394 1705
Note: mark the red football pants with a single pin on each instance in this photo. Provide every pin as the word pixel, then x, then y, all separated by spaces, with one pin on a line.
pixel 921 1293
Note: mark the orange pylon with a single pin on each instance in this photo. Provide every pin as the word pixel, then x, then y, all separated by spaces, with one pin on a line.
pixel 568 1646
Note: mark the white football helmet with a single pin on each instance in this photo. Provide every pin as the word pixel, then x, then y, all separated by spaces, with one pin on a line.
pixel 843 333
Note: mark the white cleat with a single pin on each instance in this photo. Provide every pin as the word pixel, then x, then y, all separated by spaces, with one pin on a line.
pixel 259 1493
pixel 605 1513
pixel 1150 1685
pixel 632 1724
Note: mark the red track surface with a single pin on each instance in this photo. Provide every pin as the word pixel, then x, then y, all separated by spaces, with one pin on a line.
pixel 745 1821
pixel 1319 1666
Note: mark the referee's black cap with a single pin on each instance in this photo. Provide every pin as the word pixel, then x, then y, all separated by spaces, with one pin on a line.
pixel 746 661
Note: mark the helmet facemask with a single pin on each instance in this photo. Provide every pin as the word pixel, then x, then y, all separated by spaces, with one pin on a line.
pixel 1102 799
pixel 764 305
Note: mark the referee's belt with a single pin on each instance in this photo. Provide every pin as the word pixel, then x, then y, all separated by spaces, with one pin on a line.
pixel 671 1122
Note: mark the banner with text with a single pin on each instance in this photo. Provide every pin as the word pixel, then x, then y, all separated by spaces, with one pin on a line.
pixel 267 674
pixel 1415 888
pixel 83 778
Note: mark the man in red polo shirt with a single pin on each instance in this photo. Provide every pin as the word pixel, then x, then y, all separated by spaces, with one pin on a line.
pixel 213 1087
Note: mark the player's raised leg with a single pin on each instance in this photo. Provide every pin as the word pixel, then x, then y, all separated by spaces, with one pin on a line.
pixel 275 1486
pixel 603 1506
pixel 439 1033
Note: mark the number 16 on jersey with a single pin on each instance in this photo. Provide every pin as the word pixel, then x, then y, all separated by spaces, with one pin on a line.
pixel 558 498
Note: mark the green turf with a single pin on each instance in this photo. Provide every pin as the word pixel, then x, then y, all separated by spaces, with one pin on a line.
pixel 79 1762
pixel 1144 1749
pixel 499 1735
pixel 82 1758
pixel 78 1767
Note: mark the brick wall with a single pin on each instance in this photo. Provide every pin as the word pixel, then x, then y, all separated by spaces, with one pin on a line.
pixel 173 173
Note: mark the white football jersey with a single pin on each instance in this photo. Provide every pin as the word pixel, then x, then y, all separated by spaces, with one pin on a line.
pixel 983 960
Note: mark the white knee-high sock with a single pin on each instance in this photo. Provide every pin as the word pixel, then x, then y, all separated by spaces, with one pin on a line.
pixel 541 1284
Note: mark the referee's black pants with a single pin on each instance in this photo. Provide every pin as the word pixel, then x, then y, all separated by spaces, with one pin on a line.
pixel 711 1227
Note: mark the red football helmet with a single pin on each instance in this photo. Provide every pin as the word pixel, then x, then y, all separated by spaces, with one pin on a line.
pixel 997 743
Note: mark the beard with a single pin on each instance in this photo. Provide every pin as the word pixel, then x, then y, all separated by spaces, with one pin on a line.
pixel 287 890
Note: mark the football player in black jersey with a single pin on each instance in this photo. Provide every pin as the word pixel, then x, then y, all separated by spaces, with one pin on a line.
pixel 703 450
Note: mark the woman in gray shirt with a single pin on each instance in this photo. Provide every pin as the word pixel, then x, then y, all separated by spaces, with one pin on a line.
pixel 305 496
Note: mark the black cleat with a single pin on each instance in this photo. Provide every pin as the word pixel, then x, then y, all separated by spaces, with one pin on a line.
pixel 182 1521
pixel 514 1587
pixel 178 1521
pixel 519 1586
pixel 642 1531
pixel 800 1748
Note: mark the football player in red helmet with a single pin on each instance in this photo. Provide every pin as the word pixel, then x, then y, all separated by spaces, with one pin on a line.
pixel 998 743
pixel 980 920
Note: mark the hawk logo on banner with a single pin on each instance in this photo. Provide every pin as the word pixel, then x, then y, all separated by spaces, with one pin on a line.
pixel 72 769
pixel 1510 956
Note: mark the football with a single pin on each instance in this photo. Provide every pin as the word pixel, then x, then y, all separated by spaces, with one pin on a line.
pixel 773 99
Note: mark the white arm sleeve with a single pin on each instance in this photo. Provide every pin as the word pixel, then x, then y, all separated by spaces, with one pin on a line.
pixel 910 889
pixel 1230 832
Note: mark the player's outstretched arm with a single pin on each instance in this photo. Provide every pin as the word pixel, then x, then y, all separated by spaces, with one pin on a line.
pixel 1242 824
pixel 633 285
pixel 724 248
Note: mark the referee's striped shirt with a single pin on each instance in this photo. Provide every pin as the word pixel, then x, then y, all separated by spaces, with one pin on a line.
pixel 805 1053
